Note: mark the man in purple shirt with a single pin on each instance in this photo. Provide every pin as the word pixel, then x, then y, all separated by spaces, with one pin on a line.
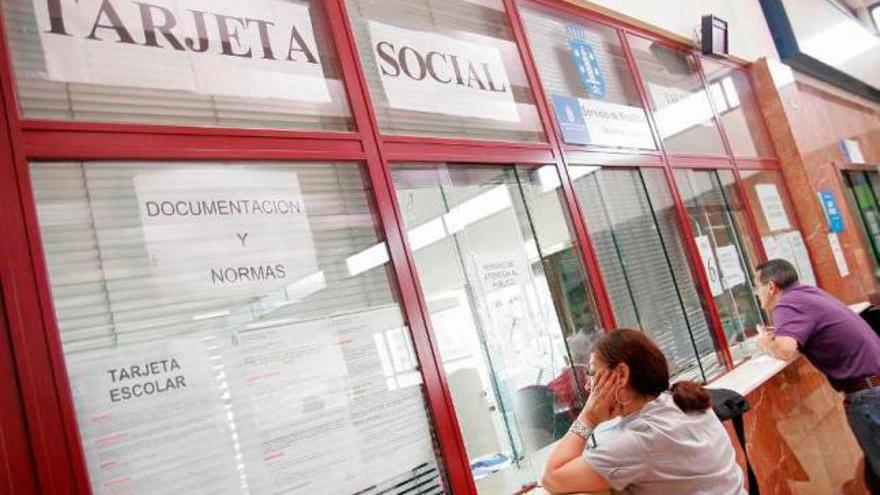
pixel 836 340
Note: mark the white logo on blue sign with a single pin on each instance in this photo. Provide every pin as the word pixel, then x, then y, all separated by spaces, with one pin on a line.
pixel 571 119
pixel 586 62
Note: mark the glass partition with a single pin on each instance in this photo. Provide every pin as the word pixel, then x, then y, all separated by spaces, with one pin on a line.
pixel 776 220
pixel 678 98
pixel 446 68
pixel 635 233
pixel 261 63
pixel 716 221
pixel 509 306
pixel 731 91
pixel 584 72
pixel 217 340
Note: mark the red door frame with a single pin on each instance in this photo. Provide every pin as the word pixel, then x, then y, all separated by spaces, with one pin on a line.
pixel 52 429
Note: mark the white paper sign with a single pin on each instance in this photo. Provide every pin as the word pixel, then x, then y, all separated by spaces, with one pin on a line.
pixel 154 415
pixel 610 124
pixel 710 265
pixel 801 256
pixel 393 436
pixel 429 72
pixel 259 48
pixel 731 268
pixel 852 151
pixel 771 205
pixel 839 257
pixel 232 230
pixel 297 381
pixel 790 247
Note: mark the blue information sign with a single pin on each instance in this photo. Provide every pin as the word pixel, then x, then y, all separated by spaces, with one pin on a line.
pixel 832 211
pixel 571 119
pixel 585 61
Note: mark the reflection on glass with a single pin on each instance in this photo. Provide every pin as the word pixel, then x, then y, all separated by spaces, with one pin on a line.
pixel 678 98
pixel 449 69
pixel 587 79
pixel 710 201
pixel 731 92
pixel 505 291
pixel 634 231
pixel 216 342
pixel 863 187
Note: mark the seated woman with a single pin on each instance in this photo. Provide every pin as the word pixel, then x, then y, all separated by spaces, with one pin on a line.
pixel 666 443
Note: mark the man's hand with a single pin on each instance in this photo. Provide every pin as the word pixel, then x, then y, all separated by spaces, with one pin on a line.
pixel 780 347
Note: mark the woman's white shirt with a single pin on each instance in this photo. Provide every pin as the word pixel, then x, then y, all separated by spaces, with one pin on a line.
pixel 662 450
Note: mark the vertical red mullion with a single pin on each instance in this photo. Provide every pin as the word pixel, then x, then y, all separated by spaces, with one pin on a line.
pixel 588 254
pixel 37 347
pixel 750 219
pixel 455 458
pixel 691 249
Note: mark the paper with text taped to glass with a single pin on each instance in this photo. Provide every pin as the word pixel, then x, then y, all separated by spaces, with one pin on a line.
pixel 790 247
pixel 158 414
pixel 429 72
pixel 227 230
pixel 387 405
pixel 731 267
pixel 296 379
pixel 254 49
pixel 772 206
pixel 710 265
pixel 333 412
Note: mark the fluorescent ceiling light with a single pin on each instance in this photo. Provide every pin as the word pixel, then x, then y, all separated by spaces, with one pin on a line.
pixel 839 43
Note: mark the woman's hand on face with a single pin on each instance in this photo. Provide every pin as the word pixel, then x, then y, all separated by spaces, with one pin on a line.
pixel 602 404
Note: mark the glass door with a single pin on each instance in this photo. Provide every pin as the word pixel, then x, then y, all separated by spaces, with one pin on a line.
pixel 509 304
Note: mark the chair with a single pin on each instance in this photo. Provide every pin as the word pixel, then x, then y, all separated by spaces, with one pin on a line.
pixel 729 404
pixel 537 418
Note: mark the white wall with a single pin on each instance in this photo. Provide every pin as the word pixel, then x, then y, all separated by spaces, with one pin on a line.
pixel 750 37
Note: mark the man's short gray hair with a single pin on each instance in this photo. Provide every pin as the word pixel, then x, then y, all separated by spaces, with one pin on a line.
pixel 779 271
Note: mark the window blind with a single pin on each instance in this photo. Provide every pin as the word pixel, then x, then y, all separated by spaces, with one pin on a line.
pixel 643 264
pixel 41 98
pixel 111 306
pixel 480 23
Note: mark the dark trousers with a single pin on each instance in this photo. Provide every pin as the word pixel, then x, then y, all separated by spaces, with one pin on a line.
pixel 863 414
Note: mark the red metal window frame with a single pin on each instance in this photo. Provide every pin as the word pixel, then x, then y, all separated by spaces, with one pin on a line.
pixel 53 432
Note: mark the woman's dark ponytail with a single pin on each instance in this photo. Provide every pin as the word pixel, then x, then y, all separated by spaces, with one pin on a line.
pixel 690 396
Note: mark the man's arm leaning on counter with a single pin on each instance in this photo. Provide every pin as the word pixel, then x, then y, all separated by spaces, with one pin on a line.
pixel 779 346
